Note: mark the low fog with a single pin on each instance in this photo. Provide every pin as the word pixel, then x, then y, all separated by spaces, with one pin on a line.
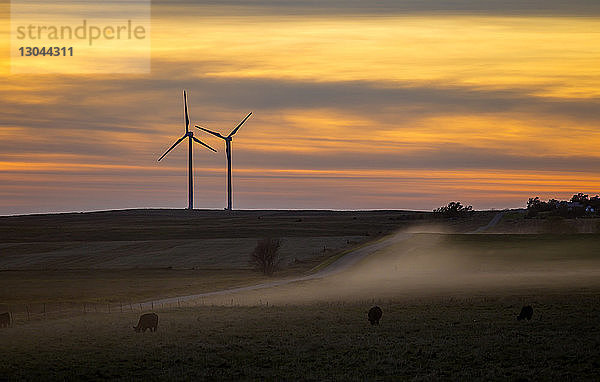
pixel 429 261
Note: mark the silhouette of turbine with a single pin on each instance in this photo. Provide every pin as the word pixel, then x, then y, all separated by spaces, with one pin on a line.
pixel 190 136
pixel 228 140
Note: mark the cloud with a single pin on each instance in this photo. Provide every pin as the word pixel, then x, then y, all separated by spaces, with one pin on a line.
pixel 438 157
pixel 68 102
pixel 393 7
pixel 123 119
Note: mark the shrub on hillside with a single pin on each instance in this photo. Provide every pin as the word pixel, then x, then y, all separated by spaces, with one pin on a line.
pixel 266 257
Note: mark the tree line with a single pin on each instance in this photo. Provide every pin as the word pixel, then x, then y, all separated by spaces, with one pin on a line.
pixel 579 205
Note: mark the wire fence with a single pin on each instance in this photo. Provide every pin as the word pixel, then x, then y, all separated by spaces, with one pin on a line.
pixel 53 310
pixel 22 313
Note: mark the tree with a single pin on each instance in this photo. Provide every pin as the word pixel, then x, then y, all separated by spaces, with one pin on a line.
pixel 535 206
pixel 454 210
pixel 580 198
pixel 266 257
pixel 595 203
pixel 579 205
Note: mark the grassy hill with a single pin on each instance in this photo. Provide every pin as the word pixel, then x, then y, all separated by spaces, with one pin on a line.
pixel 199 239
pixel 137 254
pixel 449 299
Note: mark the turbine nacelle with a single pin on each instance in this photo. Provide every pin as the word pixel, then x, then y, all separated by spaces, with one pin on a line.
pixel 230 136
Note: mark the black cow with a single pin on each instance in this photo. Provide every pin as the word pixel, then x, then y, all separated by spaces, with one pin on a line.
pixel 375 314
pixel 5 320
pixel 526 313
pixel 147 321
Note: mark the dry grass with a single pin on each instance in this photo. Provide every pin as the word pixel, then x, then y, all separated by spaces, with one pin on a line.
pixel 515 222
pixel 184 239
pixel 139 225
pixel 495 252
pixel 123 256
pixel 23 287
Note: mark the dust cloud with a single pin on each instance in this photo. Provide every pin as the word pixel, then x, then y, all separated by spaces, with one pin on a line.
pixel 430 261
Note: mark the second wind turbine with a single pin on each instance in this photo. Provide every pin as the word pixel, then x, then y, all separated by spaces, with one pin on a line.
pixel 228 140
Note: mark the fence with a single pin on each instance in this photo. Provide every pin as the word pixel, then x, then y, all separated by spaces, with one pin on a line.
pixel 52 310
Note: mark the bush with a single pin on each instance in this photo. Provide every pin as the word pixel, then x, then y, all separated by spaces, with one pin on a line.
pixel 454 210
pixel 266 257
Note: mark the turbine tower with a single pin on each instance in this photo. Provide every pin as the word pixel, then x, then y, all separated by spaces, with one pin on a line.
pixel 190 136
pixel 228 140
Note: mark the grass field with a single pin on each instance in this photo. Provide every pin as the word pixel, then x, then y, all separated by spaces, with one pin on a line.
pixel 426 264
pixel 152 225
pixel 493 252
pixel 115 286
pixel 123 256
pixel 182 239
pixel 428 338
pixel 515 222
pixel 450 301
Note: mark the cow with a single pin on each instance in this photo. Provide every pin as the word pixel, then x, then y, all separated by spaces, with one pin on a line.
pixel 5 320
pixel 147 321
pixel 526 313
pixel 375 314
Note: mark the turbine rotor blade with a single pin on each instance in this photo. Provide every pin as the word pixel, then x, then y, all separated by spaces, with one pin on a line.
pixel 211 132
pixel 238 126
pixel 187 118
pixel 203 144
pixel 172 147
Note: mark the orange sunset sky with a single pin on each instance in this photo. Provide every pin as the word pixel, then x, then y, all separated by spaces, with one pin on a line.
pixel 395 105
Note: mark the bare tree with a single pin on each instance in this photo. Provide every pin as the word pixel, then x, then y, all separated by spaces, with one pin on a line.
pixel 266 257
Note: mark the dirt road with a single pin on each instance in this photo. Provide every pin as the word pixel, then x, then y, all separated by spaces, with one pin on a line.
pixel 337 266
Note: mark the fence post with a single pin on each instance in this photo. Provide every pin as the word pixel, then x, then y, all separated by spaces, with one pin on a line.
pixel 27 309
pixel 121 307
pixel 152 305
pixel 44 310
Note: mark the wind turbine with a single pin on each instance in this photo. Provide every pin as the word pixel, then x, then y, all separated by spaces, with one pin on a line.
pixel 190 136
pixel 228 140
